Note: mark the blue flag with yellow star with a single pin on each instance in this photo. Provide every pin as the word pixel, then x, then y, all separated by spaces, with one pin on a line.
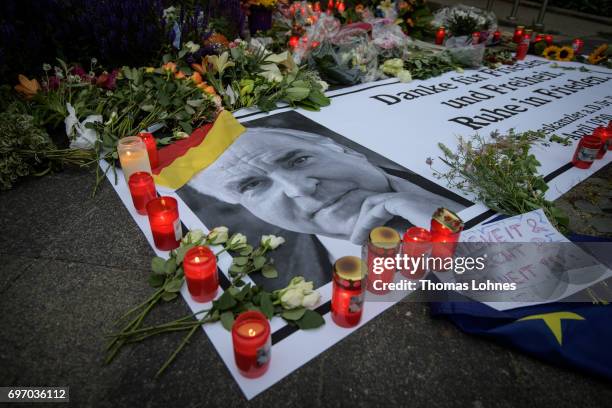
pixel 577 335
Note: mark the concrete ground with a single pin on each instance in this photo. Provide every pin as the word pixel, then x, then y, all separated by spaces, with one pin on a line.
pixel 72 264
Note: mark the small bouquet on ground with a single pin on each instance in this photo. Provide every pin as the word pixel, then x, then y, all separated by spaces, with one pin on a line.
pixel 463 21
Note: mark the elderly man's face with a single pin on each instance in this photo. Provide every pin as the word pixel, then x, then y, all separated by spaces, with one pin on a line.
pixel 311 186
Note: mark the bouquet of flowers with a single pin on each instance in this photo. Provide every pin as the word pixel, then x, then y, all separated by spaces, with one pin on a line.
pixel 464 20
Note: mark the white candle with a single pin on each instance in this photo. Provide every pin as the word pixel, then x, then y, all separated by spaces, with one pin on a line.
pixel 133 156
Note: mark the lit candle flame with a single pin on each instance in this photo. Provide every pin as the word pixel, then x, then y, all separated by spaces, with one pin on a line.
pixel 196 259
pixel 252 333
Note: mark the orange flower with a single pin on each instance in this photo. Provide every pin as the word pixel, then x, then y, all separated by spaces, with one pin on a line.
pixel 217 39
pixel 27 87
pixel 359 8
pixel 169 67
pixel 209 89
pixel 410 22
pixel 201 68
pixel 180 75
pixel 196 78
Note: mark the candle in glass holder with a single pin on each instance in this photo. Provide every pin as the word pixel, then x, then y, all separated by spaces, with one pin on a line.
pixel 341 7
pixel 577 45
pixel 133 156
pixel 151 144
pixel 294 41
pixel 518 34
pixel 440 34
pixel 317 7
pixel 200 266
pixel 142 190
pixel 475 38
pixel 165 222
pixel 416 243
pixel 538 38
pixel 602 133
pixel 383 242
pixel 252 343
pixel 347 291
pixel 523 47
pixel 446 227
pixel 549 39
pixel 586 151
pixel 496 36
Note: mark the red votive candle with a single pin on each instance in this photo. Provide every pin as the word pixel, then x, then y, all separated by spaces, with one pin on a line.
pixel 294 41
pixel 496 36
pixel 200 266
pixel 252 343
pixel 586 151
pixel 151 144
pixel 577 45
pixel 383 242
pixel 609 139
pixel 142 189
pixel 602 133
pixel 416 243
pixel 549 39
pixel 522 48
pixel 475 37
pixel 446 227
pixel 538 38
pixel 518 34
pixel 347 291
pixel 165 222
pixel 440 34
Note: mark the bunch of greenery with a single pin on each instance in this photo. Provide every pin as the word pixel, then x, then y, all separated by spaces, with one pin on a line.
pixel 502 173
pixel 245 76
pixel 461 23
pixel 167 278
pixel 424 64
pixel 26 149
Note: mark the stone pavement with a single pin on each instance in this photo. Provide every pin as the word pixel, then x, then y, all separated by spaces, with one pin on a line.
pixel 72 264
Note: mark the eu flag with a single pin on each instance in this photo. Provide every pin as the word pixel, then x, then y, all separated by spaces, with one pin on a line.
pixel 577 335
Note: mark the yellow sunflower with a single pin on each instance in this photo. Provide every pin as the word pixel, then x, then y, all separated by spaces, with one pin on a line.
pixel 566 54
pixel 551 52
pixel 598 55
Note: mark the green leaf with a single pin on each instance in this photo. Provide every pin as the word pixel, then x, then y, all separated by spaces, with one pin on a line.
pixel 267 308
pixel 195 102
pixel 181 251
pixel 295 314
pixel 227 320
pixel 236 268
pixel 170 266
pixel 168 296
pixel 173 285
pixel 247 250
pixel 241 260
pixel 156 281
pixel 225 302
pixel 269 271
pixel 310 320
pixel 157 265
pixel 243 292
pixel 259 261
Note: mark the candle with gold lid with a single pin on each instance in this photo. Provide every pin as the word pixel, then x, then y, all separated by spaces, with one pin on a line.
pixel 347 293
pixel 446 227
pixel 133 156
pixel 383 242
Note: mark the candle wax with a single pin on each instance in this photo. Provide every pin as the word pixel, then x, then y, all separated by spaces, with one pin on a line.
pixel 133 162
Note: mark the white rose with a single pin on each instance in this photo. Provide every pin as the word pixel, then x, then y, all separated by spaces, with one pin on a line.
pixel 311 299
pixel 272 241
pixel 324 85
pixel 404 76
pixel 218 235
pixel 292 299
pixel 193 237
pixel 237 240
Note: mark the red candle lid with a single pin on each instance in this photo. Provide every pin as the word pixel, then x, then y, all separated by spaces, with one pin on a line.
pixel 198 260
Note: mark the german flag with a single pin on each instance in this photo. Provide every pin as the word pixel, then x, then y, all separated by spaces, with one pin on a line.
pixel 180 161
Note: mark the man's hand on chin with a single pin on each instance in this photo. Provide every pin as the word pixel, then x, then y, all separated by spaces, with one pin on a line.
pixel 376 210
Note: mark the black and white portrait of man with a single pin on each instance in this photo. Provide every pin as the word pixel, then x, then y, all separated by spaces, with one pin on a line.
pixel 296 176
